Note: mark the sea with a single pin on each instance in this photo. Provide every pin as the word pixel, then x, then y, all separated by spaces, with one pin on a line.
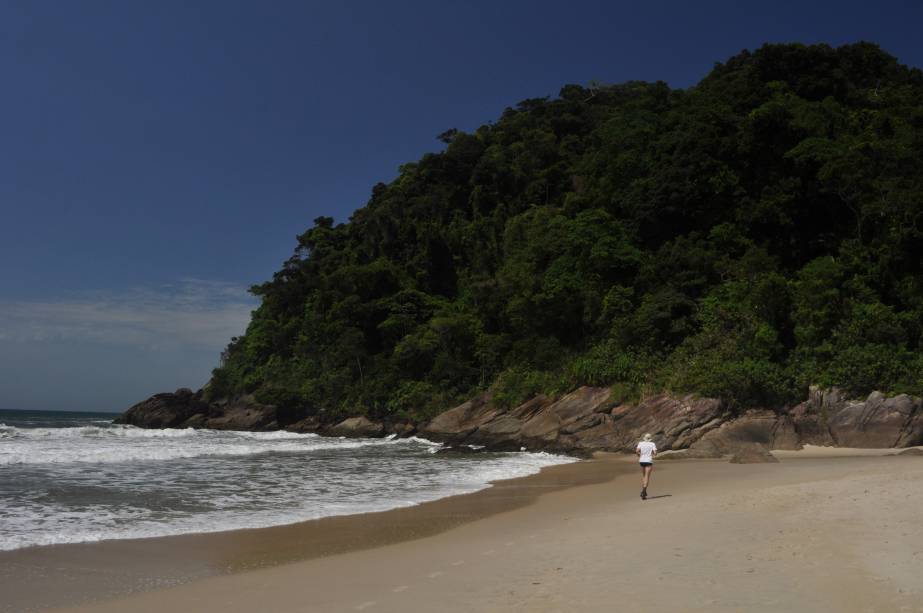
pixel 73 477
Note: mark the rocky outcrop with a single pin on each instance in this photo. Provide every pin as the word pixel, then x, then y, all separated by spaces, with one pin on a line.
pixel 876 422
pixel 674 422
pixel 586 420
pixel 165 410
pixel 827 417
pixel 356 427
pixel 241 413
pixel 186 409
pixel 768 429
pixel 583 421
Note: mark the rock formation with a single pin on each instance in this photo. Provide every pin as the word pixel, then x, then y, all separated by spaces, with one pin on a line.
pixel 583 421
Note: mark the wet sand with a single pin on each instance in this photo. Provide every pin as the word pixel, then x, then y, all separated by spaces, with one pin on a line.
pixel 811 533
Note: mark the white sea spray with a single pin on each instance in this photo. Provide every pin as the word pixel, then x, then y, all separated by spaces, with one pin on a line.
pixel 102 481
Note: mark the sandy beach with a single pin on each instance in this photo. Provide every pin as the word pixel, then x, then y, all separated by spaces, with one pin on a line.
pixel 823 530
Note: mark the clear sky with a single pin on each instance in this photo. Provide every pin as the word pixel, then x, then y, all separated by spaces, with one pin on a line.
pixel 157 158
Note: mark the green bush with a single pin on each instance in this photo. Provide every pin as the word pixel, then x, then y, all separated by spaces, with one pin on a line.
pixel 515 386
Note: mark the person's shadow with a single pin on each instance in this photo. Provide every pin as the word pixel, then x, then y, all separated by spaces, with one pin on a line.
pixel 661 496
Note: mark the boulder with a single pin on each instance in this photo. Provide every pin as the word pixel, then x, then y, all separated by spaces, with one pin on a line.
pixel 401 429
pixel 811 418
pixel 911 451
pixel 752 454
pixel 305 426
pixel 876 422
pixel 356 427
pixel 456 424
pixel 168 410
pixel 539 423
pixel 196 421
pixel 573 412
pixel 504 431
pixel 674 422
pixel 242 413
pixel 912 433
pixel 755 427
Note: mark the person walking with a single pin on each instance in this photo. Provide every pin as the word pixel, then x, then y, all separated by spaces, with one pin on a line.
pixel 646 450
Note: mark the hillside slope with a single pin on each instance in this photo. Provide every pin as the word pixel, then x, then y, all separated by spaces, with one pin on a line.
pixel 742 239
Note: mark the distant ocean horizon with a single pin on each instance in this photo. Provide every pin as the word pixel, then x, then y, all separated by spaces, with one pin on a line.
pixel 74 476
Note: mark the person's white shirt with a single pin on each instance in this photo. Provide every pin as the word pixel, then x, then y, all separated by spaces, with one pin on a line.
pixel 647 450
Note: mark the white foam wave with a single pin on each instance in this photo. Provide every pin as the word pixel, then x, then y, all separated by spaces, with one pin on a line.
pixel 120 443
pixel 46 524
pixel 94 480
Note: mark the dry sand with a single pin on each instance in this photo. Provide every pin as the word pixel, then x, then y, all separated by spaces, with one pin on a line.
pixel 811 533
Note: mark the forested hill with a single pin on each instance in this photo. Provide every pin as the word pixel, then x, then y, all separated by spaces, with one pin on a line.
pixel 743 238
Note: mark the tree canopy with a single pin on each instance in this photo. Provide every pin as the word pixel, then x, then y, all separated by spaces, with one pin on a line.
pixel 743 238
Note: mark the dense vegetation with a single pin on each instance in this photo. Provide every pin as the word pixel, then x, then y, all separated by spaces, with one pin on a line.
pixel 743 238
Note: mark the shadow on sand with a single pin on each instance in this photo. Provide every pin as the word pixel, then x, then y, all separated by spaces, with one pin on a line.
pixel 661 496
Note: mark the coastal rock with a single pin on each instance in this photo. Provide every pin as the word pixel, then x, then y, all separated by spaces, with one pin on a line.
pixel 874 423
pixel 356 427
pixel 401 429
pixel 168 410
pixel 753 454
pixel 581 421
pixel 196 421
pixel 755 427
pixel 911 451
pixel 456 424
pixel 674 421
pixel 242 413
pixel 304 426
pixel 536 424
pixel 584 421
pixel 828 418
pixel 574 412
pixel 912 434
pixel 811 418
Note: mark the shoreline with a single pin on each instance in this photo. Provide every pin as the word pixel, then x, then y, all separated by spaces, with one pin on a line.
pixel 121 567
pixel 813 532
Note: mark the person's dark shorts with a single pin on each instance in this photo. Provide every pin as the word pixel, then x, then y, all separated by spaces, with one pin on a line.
pixel 646 464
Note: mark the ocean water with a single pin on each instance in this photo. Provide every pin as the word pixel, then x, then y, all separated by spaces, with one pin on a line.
pixel 77 477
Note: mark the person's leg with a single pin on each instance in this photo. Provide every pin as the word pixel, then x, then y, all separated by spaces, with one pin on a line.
pixel 646 476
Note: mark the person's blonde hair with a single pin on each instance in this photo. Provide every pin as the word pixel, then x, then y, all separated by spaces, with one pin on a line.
pixel 647 437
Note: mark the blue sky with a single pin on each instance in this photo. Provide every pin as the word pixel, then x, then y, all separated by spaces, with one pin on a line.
pixel 157 158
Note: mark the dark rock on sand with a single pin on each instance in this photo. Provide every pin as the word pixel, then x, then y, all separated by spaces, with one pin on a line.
pixel 877 421
pixel 752 454
pixel 911 451
pixel 754 427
